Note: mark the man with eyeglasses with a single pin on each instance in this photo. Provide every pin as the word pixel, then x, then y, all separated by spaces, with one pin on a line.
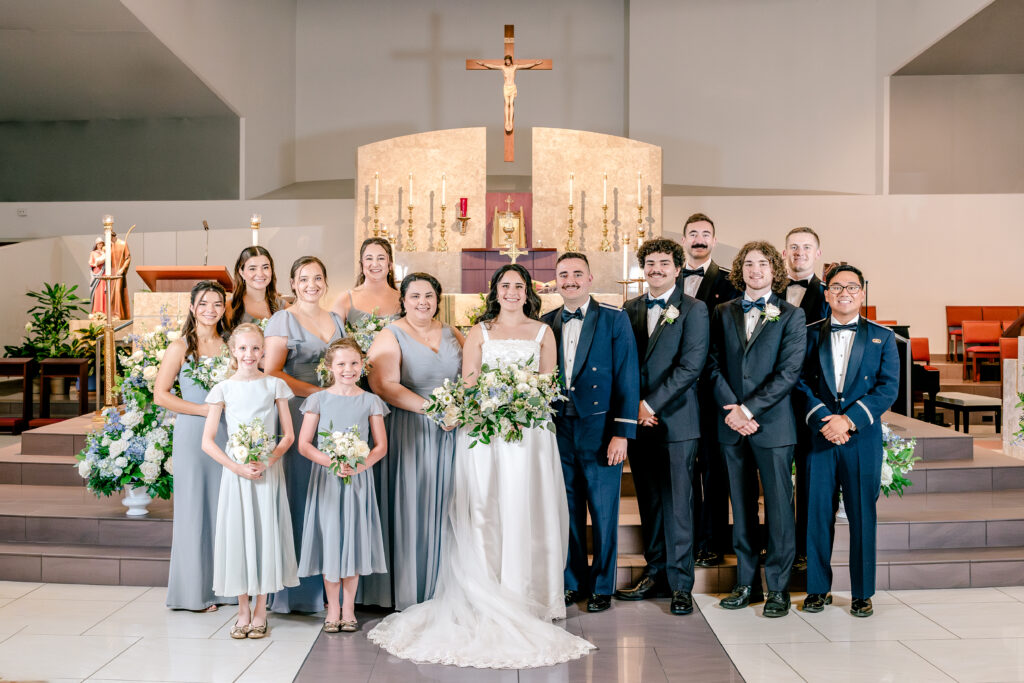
pixel 850 377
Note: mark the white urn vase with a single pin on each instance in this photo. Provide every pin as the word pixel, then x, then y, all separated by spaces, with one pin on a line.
pixel 136 499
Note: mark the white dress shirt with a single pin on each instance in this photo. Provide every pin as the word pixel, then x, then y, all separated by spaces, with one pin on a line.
pixel 654 313
pixel 751 317
pixel 795 293
pixel 570 338
pixel 692 282
pixel 842 342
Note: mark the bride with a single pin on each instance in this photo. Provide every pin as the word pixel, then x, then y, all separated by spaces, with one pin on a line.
pixel 504 548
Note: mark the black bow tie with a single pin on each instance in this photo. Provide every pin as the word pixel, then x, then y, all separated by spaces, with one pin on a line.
pixel 567 316
pixel 696 271
pixel 747 304
pixel 651 303
pixel 852 327
pixel 799 283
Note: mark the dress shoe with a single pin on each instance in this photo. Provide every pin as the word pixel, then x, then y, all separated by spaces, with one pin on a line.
pixel 815 602
pixel 740 597
pixel 777 604
pixel 706 558
pixel 572 597
pixel 599 603
pixel 646 587
pixel 800 563
pixel 861 607
pixel 682 602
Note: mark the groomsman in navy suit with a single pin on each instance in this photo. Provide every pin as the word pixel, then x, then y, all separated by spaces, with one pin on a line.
pixel 757 352
pixel 705 280
pixel 598 363
pixel 850 377
pixel 671 332
pixel 806 290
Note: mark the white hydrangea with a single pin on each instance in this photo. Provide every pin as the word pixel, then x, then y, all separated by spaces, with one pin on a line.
pixel 157 435
pixel 153 453
pixel 169 466
pixel 886 474
pixel 118 447
pixel 150 372
pixel 131 418
pixel 84 469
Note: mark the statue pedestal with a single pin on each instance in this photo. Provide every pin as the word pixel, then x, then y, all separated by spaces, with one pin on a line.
pixel 1013 384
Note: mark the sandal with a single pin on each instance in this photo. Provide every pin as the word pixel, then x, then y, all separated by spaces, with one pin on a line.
pixel 240 632
pixel 332 626
pixel 256 632
pixel 349 626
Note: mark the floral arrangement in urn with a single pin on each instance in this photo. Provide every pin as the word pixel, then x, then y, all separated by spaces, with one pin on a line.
pixel 133 450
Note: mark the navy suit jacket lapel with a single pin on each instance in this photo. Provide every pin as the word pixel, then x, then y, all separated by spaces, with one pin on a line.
pixel 739 324
pixel 825 358
pixel 860 340
pixel 638 319
pixel 586 338
pixel 710 275
pixel 556 328
pixel 674 300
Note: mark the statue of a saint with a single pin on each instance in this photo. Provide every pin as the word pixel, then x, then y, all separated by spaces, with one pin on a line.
pixel 508 90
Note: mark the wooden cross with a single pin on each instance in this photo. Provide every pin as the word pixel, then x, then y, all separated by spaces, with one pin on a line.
pixel 509 87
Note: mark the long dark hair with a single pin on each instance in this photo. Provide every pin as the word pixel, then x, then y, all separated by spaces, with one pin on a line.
pixel 419 277
pixel 238 295
pixel 188 330
pixel 386 246
pixel 532 306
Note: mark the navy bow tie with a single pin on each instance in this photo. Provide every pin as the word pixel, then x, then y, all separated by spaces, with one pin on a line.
pixel 651 303
pixel 747 304
pixel 696 271
pixel 567 316
pixel 799 283
pixel 852 327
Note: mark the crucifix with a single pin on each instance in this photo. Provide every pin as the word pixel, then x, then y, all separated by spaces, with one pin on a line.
pixel 508 67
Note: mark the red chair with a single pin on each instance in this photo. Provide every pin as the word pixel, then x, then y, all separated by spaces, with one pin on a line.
pixel 998 312
pixel 981 342
pixel 955 316
pixel 1007 349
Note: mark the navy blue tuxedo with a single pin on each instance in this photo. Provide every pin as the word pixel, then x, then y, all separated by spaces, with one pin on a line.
pixel 760 374
pixel 662 457
pixel 604 394
pixel 870 385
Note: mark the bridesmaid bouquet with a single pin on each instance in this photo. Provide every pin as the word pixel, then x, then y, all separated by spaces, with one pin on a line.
pixel 366 329
pixel 251 442
pixel 508 399
pixel 207 371
pixel 445 404
pixel 343 448
pixel 897 461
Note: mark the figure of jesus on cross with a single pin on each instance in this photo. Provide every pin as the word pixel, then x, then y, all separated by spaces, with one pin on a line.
pixel 508 91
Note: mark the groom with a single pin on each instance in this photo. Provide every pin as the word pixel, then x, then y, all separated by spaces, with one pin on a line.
pixel 597 361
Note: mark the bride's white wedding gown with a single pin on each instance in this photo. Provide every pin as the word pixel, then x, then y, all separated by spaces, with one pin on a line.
pixel 503 554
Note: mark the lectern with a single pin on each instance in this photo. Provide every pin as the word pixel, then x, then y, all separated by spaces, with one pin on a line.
pixel 182 278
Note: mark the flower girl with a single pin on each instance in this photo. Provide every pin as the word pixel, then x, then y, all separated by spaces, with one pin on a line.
pixel 253 547
pixel 341 534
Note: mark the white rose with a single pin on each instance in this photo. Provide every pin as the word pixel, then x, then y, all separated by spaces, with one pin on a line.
pixel 150 471
pixel 363 449
pixel 240 453
pixel 173 335
pixel 84 469
pixel 886 474
pixel 523 388
pixel 117 448
pixel 152 453
pixel 169 466
pixel 137 356
pixel 131 418
pixel 121 461
pixel 149 373
pixel 158 329
pixel 160 354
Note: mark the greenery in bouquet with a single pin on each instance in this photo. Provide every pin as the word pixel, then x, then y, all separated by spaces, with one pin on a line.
pixel 473 314
pixel 134 449
pixel 897 461
pixel 323 373
pixel 344 448
pixel 209 370
pixel 251 442
pixel 366 329
pixel 445 404
pixel 48 333
pixel 508 399
pixel 1018 435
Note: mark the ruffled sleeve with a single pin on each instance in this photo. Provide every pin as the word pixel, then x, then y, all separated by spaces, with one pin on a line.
pixel 216 394
pixel 311 404
pixel 277 326
pixel 378 406
pixel 281 389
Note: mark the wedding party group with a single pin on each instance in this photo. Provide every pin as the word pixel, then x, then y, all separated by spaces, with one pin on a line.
pixel 372 454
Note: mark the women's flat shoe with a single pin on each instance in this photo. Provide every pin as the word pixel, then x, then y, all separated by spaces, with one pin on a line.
pixel 240 632
pixel 257 632
pixel 349 626
pixel 332 626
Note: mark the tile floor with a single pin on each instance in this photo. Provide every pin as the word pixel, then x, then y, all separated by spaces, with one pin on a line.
pixel 58 632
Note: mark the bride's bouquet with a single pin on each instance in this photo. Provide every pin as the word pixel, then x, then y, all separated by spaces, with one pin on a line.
pixel 251 442
pixel 343 448
pixel 508 399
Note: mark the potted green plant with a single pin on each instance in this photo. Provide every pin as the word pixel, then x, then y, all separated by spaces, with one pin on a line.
pixel 47 334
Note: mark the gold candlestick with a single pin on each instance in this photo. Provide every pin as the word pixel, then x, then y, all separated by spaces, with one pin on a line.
pixel 442 244
pixel 570 243
pixel 606 245
pixel 376 222
pixel 639 225
pixel 410 243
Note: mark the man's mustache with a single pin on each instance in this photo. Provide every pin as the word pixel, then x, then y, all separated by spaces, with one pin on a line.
pixel 698 245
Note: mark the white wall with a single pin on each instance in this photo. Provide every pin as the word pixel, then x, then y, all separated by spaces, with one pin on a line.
pixel 368 71
pixel 244 50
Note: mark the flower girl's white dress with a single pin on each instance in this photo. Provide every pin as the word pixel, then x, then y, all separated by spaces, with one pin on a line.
pixel 503 554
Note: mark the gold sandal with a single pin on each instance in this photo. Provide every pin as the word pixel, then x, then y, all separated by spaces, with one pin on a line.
pixel 332 626
pixel 240 632
pixel 256 632
pixel 349 626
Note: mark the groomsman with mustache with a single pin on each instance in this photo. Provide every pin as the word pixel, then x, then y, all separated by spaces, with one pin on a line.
pixel 671 331
pixel 705 280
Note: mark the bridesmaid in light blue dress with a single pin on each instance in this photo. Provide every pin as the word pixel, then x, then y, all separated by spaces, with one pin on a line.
pixel 254 297
pixel 409 359
pixel 297 339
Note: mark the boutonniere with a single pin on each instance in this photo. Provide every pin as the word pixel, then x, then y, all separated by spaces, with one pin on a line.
pixel 771 313
pixel 669 315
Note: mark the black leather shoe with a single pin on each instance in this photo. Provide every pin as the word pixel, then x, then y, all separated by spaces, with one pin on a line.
pixel 815 602
pixel 706 558
pixel 646 587
pixel 599 603
pixel 740 597
pixel 682 602
pixel 800 563
pixel 777 604
pixel 861 607
pixel 572 597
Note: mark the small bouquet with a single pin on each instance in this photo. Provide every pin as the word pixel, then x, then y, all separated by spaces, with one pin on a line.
pixel 343 448
pixel 1018 436
pixel 323 373
pixel 209 370
pixel 897 461
pixel 251 443
pixel 508 399
pixel 262 323
pixel 445 404
pixel 366 329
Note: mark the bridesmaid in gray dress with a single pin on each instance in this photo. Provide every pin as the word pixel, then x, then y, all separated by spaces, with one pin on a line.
pixel 196 476
pixel 297 339
pixel 254 297
pixel 409 359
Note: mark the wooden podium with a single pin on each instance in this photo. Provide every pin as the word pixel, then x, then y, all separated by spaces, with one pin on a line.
pixel 182 278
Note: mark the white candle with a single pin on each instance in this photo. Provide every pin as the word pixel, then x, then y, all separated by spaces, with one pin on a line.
pixel 254 223
pixel 639 191
pixel 605 194
pixel 571 176
pixel 410 189
pixel 444 180
pixel 376 188
pixel 625 261
pixel 108 228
